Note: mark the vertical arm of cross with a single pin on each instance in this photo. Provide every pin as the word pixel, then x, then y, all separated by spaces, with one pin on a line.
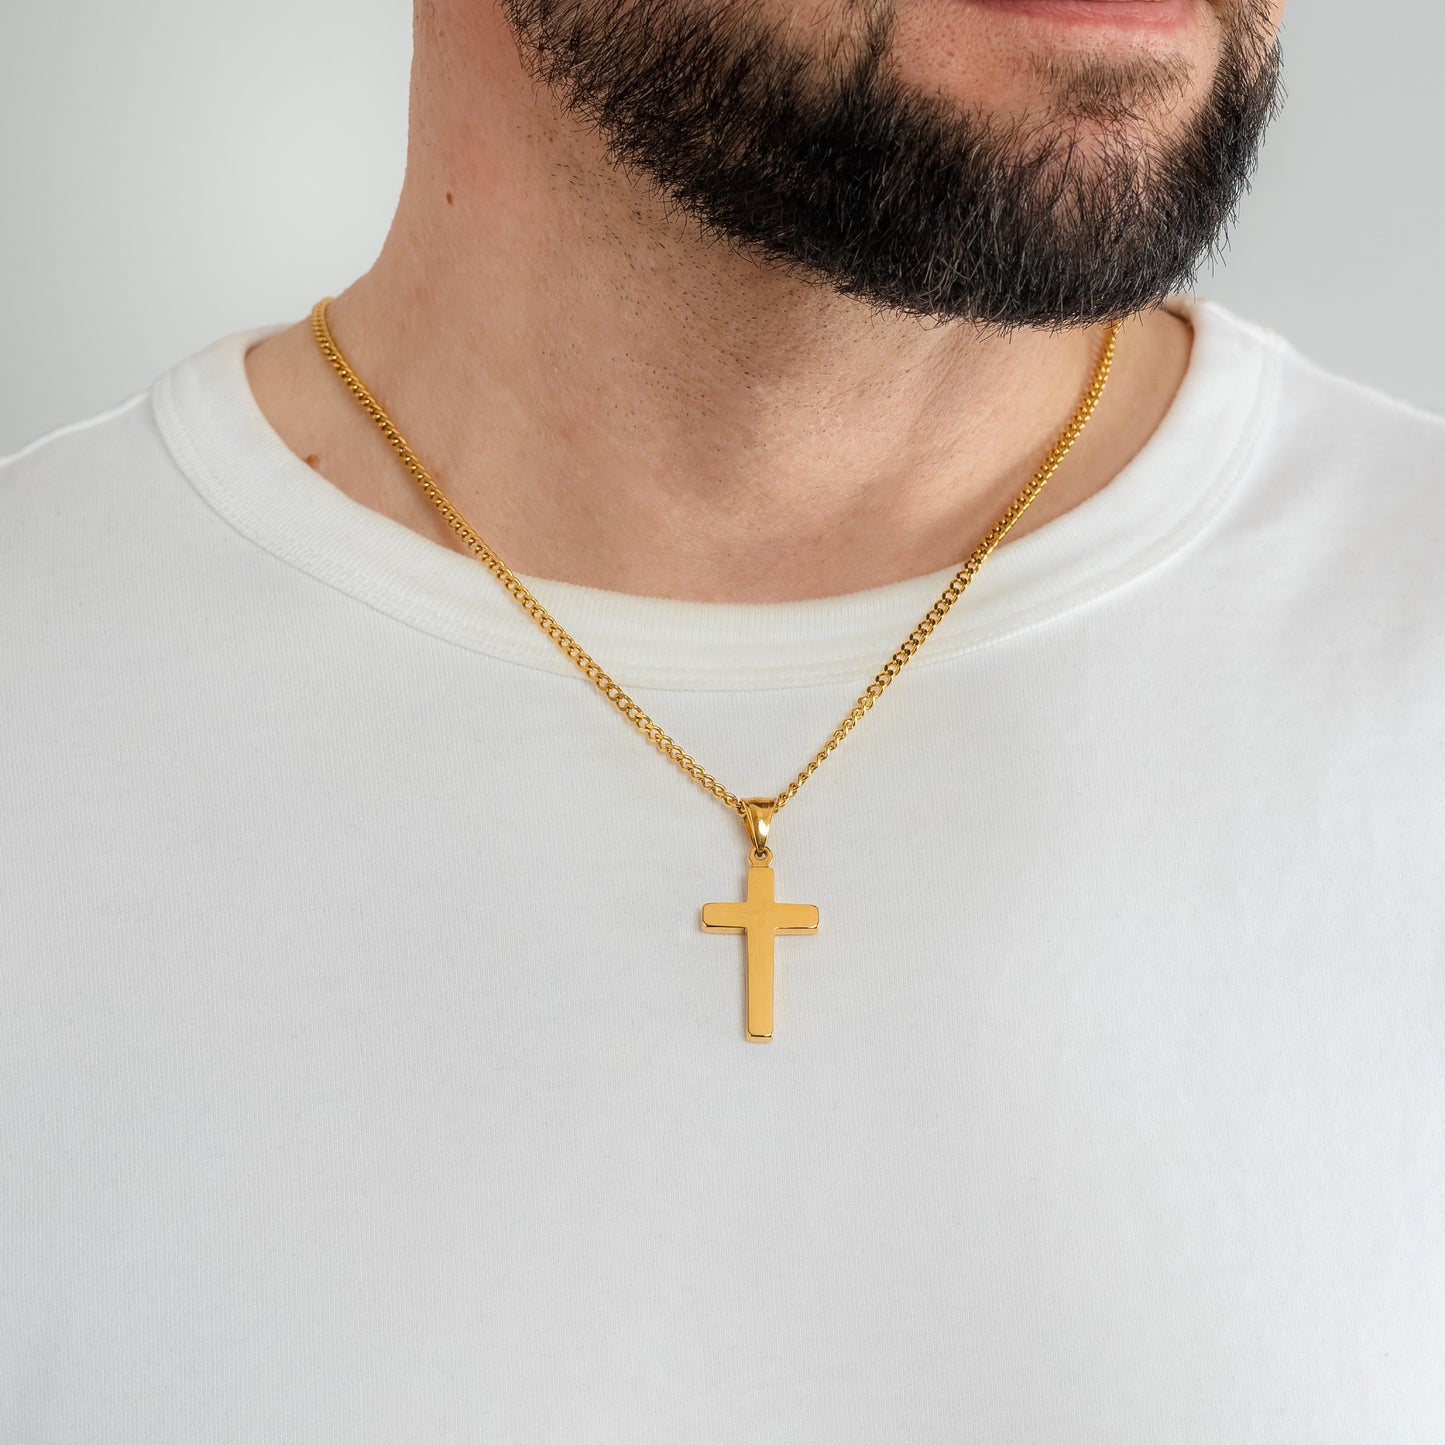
pixel 761 919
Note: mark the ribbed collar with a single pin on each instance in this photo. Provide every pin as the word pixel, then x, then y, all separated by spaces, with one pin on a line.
pixel 235 459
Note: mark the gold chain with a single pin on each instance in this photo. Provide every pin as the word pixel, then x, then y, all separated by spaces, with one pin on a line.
pixel 609 689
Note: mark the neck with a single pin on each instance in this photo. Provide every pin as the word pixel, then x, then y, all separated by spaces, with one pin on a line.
pixel 610 400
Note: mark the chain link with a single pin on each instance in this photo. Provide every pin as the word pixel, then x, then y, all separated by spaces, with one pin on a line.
pixel 610 689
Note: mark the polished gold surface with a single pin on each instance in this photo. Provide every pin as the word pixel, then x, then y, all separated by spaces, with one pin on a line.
pixel 761 918
pixel 759 820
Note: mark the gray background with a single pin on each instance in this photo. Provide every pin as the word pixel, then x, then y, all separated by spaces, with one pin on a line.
pixel 173 171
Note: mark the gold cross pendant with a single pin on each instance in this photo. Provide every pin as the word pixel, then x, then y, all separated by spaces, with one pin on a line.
pixel 761 918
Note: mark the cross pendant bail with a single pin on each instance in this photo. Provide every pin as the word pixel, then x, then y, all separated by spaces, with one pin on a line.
pixel 760 820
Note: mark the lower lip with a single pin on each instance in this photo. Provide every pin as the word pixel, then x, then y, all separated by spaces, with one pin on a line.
pixel 1152 15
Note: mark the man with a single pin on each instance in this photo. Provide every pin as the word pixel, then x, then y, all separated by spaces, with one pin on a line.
pixel 1068 1065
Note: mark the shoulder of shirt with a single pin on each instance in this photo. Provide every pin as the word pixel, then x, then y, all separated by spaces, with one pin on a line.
pixel 85 451
pixel 77 429
pixel 1346 464
pixel 1342 504
pixel 1334 405
pixel 75 501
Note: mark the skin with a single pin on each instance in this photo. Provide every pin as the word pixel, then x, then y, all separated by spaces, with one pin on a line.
pixel 613 400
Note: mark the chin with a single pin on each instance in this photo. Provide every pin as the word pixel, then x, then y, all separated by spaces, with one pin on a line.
pixel 1098 66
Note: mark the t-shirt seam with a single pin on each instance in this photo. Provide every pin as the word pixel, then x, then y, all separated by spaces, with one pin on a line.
pixel 328 570
pixel 73 428
pixel 1190 530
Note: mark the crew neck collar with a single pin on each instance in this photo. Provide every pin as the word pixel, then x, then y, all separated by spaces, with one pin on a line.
pixel 227 448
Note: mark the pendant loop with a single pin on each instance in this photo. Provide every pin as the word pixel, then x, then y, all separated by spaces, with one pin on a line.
pixel 759 820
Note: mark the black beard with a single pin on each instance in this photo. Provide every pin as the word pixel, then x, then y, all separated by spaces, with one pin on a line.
pixel 839 172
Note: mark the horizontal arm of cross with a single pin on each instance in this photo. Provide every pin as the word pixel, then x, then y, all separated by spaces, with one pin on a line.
pixel 728 916
pixel 794 917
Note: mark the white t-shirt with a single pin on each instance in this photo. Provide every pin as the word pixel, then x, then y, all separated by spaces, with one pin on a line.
pixel 366 1077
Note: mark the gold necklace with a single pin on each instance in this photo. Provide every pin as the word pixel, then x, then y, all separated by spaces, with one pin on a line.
pixel 759 916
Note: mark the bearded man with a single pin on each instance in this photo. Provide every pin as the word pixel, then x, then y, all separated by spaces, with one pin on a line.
pixel 765 789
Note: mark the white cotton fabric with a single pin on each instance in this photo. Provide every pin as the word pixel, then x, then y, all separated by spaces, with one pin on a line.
pixel 366 1077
